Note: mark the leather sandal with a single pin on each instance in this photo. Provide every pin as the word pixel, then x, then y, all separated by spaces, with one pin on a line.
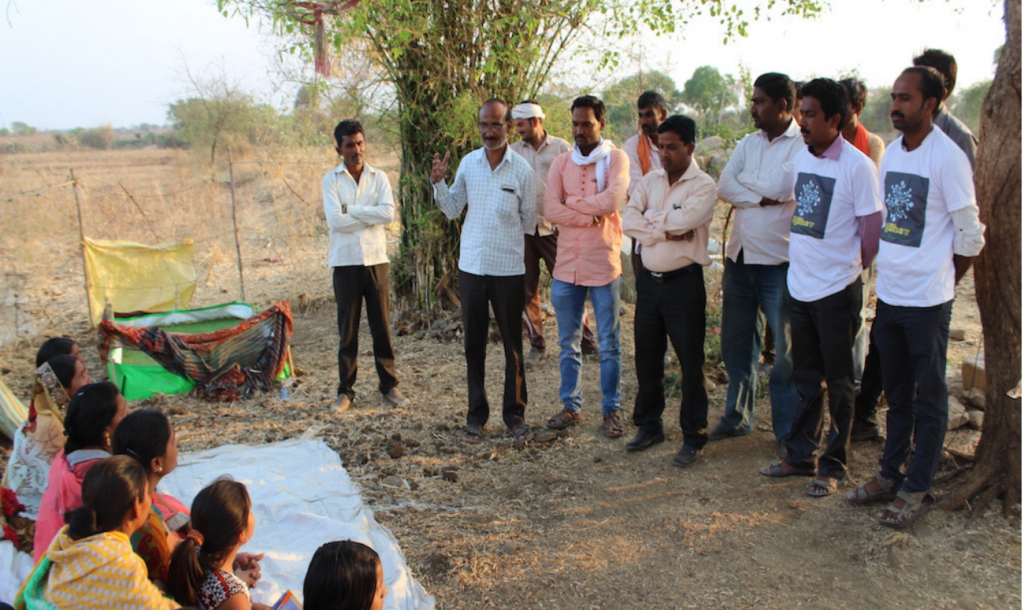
pixel 822 486
pixel 875 488
pixel 612 425
pixel 778 469
pixel 914 505
pixel 563 420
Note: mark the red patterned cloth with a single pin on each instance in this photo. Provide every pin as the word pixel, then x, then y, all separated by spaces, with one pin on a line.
pixel 226 365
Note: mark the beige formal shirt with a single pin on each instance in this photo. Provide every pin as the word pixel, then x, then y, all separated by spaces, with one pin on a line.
pixel 657 209
pixel 540 160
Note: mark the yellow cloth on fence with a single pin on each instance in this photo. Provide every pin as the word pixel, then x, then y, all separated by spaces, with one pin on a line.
pixel 137 277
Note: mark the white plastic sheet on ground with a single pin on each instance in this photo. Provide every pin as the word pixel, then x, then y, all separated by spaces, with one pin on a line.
pixel 302 497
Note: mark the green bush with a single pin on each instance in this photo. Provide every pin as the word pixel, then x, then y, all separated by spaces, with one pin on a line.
pixel 100 138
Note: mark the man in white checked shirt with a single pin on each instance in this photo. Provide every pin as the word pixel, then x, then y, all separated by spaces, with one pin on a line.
pixel 498 190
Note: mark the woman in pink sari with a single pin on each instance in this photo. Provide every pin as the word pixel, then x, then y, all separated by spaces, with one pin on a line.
pixel 92 416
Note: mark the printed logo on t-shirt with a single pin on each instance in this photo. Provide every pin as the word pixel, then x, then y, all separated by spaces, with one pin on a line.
pixel 813 202
pixel 906 199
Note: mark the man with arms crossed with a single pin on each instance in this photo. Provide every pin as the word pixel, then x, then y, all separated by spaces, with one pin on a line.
pixel 584 192
pixel 539 148
pixel 358 203
pixel 758 182
pixel 833 237
pixel 497 188
pixel 930 237
pixel 669 214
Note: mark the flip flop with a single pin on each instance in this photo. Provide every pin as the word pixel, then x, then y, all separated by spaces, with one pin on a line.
pixel 522 433
pixel 911 510
pixel 473 434
pixel 779 469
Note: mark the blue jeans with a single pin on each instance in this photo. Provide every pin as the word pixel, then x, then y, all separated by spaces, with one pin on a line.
pixel 912 345
pixel 569 300
pixel 745 289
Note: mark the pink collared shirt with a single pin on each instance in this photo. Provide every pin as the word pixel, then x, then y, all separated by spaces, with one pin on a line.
pixel 589 227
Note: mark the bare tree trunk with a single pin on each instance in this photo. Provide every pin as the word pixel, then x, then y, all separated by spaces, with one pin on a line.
pixel 997 272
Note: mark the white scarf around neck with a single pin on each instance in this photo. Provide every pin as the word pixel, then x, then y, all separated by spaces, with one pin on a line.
pixel 600 157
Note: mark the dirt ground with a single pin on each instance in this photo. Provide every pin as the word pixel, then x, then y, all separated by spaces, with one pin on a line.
pixel 570 520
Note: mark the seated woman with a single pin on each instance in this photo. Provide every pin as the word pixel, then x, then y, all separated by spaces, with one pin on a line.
pixel 37 442
pixel 200 574
pixel 90 564
pixel 147 437
pixel 344 574
pixel 93 414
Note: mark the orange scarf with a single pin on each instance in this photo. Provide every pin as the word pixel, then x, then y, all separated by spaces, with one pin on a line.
pixel 643 150
pixel 860 139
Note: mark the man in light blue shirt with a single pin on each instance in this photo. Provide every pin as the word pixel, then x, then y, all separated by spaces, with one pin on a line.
pixel 497 188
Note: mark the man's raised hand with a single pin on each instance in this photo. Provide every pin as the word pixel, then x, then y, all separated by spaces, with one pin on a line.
pixel 439 168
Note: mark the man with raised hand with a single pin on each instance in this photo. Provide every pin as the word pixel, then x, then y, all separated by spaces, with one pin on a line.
pixel 358 204
pixel 833 237
pixel 670 214
pixel 758 182
pixel 929 240
pixel 497 189
pixel 539 148
pixel 585 189
pixel 950 125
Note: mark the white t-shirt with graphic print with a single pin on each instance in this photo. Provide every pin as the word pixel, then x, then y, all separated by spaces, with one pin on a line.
pixel 921 187
pixel 824 243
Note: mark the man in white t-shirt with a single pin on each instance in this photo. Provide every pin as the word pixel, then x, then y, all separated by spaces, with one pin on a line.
pixel 833 237
pixel 930 237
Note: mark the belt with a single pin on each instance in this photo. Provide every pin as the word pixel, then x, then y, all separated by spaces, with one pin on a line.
pixel 665 276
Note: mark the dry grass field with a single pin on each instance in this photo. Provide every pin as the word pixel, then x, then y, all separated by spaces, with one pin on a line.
pixel 568 521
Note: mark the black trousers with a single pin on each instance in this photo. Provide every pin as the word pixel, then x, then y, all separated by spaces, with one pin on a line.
pixel 353 284
pixel 506 296
pixel 823 333
pixel 672 308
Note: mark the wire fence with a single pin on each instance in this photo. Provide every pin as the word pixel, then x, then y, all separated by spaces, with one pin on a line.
pixel 267 242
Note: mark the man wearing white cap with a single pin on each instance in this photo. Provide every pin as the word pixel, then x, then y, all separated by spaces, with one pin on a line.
pixel 539 148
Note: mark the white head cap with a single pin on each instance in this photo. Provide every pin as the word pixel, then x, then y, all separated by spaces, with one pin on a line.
pixel 527 111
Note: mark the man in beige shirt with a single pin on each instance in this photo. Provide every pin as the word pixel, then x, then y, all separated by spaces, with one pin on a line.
pixel 669 214
pixel 540 148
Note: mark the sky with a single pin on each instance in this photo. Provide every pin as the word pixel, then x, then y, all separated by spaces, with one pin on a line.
pixel 68 63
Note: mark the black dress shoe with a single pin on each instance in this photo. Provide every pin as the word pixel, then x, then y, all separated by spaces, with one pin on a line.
pixel 645 439
pixel 687 456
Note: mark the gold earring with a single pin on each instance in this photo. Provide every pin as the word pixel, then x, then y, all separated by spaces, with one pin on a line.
pixel 159 469
pixel 106 439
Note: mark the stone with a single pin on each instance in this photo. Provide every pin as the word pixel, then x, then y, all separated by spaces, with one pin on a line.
pixel 975 419
pixel 508 548
pixel 449 474
pixel 394 482
pixel 973 371
pixel 957 334
pixel 975 398
pixel 395 449
pixel 957 414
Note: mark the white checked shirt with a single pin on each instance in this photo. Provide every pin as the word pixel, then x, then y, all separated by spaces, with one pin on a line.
pixel 356 215
pixel 500 207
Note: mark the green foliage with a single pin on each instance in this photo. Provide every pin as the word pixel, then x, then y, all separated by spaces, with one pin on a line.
pixel 444 58
pixel 228 118
pixel 100 138
pixel 966 104
pixel 621 96
pixel 4 131
pixel 709 92
pixel 22 129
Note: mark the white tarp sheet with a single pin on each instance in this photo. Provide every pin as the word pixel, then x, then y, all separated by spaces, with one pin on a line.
pixel 302 497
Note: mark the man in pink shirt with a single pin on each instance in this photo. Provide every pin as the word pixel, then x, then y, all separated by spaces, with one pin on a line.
pixel 585 189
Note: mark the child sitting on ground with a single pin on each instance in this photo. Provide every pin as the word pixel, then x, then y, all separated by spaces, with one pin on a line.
pixel 200 573
pixel 344 575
